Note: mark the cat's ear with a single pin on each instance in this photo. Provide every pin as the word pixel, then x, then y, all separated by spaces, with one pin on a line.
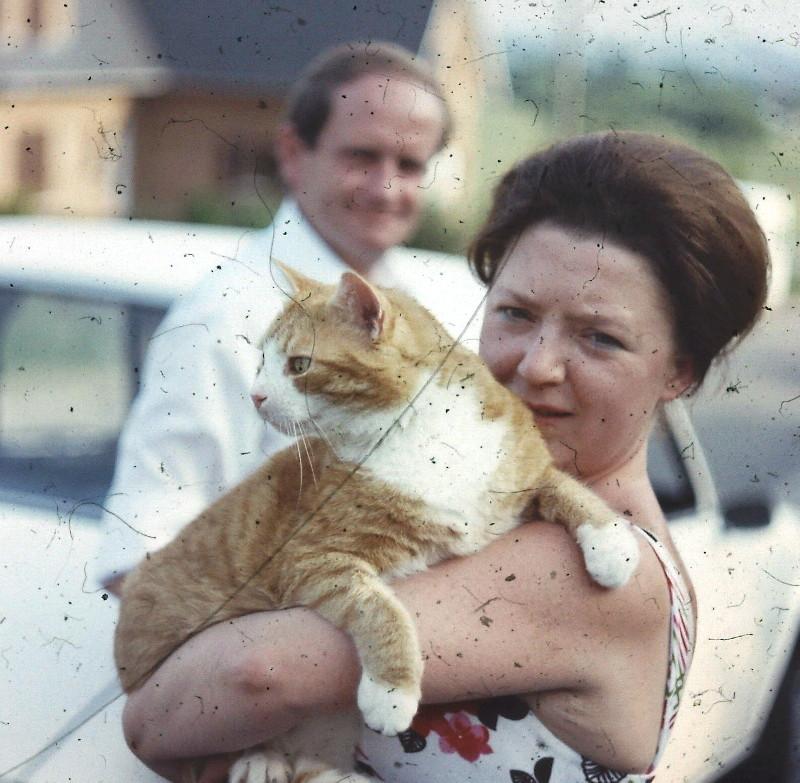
pixel 361 302
pixel 289 279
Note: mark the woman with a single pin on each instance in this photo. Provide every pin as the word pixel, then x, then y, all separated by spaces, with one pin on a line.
pixel 620 265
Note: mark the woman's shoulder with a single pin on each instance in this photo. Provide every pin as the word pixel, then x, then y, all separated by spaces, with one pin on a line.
pixel 536 574
pixel 640 606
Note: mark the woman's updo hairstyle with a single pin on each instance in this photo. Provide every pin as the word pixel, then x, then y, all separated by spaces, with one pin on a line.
pixel 674 206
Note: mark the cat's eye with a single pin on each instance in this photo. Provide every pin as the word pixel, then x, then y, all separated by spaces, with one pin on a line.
pixel 297 365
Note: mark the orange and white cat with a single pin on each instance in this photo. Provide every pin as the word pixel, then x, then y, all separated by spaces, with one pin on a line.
pixel 411 453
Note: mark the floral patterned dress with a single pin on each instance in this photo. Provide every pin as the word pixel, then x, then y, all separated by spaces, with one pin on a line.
pixel 501 741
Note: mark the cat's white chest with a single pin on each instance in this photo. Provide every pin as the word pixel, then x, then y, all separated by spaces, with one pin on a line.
pixel 445 453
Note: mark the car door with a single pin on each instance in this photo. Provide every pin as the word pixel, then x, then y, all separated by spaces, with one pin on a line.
pixel 68 371
pixel 746 572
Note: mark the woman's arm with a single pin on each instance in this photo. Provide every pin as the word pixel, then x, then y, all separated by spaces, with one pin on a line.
pixel 520 616
pixel 233 685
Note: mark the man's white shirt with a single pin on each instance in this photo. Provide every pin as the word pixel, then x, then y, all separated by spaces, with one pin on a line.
pixel 193 432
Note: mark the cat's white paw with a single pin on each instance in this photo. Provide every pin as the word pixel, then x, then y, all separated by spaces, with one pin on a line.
pixel 386 708
pixel 611 552
pixel 260 766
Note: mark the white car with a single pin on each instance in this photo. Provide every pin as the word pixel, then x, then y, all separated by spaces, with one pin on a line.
pixel 79 300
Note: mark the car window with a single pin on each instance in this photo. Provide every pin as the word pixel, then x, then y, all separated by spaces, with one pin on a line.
pixel 68 372
pixel 665 465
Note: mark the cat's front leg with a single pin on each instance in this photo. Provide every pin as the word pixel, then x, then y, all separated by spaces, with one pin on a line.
pixel 349 593
pixel 609 546
pixel 386 708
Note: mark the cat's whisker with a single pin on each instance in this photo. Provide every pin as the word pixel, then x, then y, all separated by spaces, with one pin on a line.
pixel 304 440
pixel 299 458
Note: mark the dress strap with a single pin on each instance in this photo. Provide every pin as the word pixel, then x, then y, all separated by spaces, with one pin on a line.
pixel 681 639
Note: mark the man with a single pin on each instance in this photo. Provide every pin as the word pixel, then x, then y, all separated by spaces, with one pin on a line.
pixel 361 125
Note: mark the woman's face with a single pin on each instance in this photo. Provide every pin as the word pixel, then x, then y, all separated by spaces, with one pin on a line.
pixel 580 329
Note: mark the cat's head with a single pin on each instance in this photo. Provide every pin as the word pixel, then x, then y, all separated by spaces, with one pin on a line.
pixel 344 358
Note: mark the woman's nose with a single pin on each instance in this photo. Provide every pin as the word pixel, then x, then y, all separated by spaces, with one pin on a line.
pixel 544 362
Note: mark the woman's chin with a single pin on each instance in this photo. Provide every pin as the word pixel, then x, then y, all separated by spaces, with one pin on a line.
pixel 565 456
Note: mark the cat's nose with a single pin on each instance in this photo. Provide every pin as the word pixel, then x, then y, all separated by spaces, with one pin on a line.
pixel 258 399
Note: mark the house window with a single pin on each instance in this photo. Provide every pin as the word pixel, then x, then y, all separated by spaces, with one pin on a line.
pixel 30 162
pixel 35 17
pixel 238 164
pixel 35 22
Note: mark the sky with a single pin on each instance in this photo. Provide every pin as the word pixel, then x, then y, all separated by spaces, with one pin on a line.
pixel 760 38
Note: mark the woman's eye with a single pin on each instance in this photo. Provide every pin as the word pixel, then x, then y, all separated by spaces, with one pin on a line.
pixel 514 313
pixel 297 365
pixel 604 340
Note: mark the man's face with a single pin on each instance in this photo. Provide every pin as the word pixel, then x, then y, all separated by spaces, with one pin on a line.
pixel 360 184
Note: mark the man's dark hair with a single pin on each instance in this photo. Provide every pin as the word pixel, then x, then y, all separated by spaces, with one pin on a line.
pixel 309 102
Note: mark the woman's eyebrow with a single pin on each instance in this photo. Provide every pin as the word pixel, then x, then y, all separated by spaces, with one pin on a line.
pixel 620 318
pixel 512 293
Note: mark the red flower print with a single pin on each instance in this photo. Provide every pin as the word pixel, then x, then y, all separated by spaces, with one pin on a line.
pixel 462 736
pixel 431 718
pixel 457 733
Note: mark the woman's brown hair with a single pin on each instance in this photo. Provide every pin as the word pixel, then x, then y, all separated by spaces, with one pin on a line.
pixel 674 206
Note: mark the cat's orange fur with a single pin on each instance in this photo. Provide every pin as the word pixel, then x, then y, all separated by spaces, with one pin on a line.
pixel 313 527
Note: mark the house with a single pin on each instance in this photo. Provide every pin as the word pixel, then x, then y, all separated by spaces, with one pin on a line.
pixel 167 110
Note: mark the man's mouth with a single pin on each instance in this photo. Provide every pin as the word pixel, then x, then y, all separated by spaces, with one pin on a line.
pixel 377 212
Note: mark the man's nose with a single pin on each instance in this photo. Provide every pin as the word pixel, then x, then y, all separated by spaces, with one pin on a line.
pixel 382 179
pixel 545 362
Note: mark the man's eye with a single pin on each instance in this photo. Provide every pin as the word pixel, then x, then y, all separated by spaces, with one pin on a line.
pixel 408 166
pixel 363 155
pixel 297 365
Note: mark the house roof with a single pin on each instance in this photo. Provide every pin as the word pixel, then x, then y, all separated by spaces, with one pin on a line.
pixel 151 46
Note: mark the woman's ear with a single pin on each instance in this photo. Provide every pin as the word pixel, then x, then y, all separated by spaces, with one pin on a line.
pixel 681 378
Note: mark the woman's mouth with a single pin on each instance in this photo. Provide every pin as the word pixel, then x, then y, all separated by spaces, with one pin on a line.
pixel 549 413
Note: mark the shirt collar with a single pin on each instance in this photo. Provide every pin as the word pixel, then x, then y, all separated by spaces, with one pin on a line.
pixel 294 239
